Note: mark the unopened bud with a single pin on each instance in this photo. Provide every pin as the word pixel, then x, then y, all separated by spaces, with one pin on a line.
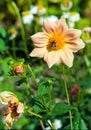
pixel 18 69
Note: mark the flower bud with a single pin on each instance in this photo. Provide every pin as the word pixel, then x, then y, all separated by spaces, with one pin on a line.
pixel 18 69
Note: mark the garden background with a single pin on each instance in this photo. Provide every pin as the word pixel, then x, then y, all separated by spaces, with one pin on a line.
pixel 35 83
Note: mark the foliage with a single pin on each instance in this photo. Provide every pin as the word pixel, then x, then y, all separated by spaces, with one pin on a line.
pixel 39 88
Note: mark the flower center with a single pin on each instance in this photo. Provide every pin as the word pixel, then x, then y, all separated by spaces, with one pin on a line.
pixel 26 13
pixel 12 31
pixel 56 42
pixel 73 13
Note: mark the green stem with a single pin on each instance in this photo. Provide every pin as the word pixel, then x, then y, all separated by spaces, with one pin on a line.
pixel 13 48
pixel 39 116
pixel 27 84
pixel 22 27
pixel 42 125
pixel 34 78
pixel 35 114
pixel 51 124
pixel 68 100
pixel 44 103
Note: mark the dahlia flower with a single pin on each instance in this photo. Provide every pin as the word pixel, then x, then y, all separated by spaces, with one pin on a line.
pixel 57 43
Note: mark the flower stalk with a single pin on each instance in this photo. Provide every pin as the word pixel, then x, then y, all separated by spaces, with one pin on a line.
pixel 22 27
pixel 33 76
pixel 35 114
pixel 68 100
pixel 13 48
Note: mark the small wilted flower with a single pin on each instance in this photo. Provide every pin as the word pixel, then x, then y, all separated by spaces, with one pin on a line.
pixel 52 18
pixel 33 9
pixel 57 43
pixel 12 33
pixel 86 35
pixel 66 5
pixel 72 17
pixel 15 108
pixel 18 69
pixel 41 9
pixel 27 17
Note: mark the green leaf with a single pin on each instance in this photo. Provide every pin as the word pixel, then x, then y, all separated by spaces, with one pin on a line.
pixel 37 105
pixel 79 123
pixel 2 45
pixel 61 108
pixel 19 82
pixel 45 87
pixel 2 32
pixel 21 122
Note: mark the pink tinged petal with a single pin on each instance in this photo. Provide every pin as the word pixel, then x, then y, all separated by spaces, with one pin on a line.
pixel 20 108
pixel 61 25
pixel 66 57
pixel 40 39
pixel 9 121
pixel 49 26
pixel 75 45
pixel 51 58
pixel 71 34
pixel 38 52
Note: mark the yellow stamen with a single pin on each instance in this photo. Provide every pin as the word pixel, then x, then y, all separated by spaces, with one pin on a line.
pixel 25 13
pixel 12 31
pixel 66 2
pixel 73 13
pixel 40 6
pixel 56 42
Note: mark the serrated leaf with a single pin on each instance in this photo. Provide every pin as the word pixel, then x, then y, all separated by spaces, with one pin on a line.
pixel 2 32
pixel 61 108
pixel 38 109
pixel 2 45
pixel 45 88
pixel 37 105
pixel 79 123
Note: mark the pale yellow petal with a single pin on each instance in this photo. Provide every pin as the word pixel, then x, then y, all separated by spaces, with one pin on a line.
pixel 6 96
pixel 52 58
pixel 49 26
pixel 8 121
pixel 66 57
pixel 38 52
pixel 40 39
